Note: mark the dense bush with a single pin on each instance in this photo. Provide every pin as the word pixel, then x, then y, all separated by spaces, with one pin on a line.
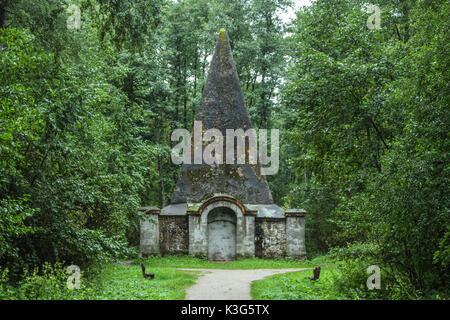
pixel 372 135
pixel 73 161
pixel 49 282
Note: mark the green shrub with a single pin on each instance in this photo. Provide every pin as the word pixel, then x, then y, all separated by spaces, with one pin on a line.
pixel 353 262
pixel 48 283
pixel 7 292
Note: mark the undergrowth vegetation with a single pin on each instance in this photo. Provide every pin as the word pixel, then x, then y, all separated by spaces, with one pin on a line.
pixel 340 279
pixel 111 282
pixel 127 283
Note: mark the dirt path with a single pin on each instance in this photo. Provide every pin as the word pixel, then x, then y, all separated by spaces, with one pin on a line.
pixel 218 284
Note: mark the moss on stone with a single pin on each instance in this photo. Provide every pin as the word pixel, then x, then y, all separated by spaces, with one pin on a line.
pixel 223 47
pixel 222 34
pixel 193 206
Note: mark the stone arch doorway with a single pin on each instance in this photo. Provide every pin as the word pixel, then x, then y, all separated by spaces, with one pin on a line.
pixel 221 234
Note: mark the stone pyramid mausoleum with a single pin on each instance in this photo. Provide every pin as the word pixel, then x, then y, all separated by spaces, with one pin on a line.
pixel 223 211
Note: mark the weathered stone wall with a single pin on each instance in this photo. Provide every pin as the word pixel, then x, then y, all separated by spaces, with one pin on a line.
pixel 248 237
pixel 270 238
pixel 260 237
pixel 173 234
pixel 149 239
pixel 295 237
pixel 197 237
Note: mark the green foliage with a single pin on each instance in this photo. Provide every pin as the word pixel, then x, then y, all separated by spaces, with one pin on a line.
pixel 343 277
pixel 443 254
pixel 73 160
pixel 6 290
pixel 48 283
pixel 371 136
pixel 296 286
pixel 126 24
pixel 299 286
pixel 112 282
pixel 127 283
pixel 12 216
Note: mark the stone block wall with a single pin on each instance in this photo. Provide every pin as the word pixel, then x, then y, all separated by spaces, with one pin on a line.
pixel 149 238
pixel 295 237
pixel 264 237
pixel 270 238
pixel 248 237
pixel 197 238
pixel 173 235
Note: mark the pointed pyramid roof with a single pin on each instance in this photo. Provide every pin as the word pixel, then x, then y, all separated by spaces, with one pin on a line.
pixel 222 107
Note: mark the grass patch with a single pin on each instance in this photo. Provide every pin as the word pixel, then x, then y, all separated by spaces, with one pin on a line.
pixel 298 286
pixel 111 282
pixel 127 283
pixel 243 264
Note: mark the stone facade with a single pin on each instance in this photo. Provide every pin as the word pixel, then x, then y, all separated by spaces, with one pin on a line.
pixel 149 227
pixel 295 233
pixel 224 229
pixel 270 238
pixel 174 234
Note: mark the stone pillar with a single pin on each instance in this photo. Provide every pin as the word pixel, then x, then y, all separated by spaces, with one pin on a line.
pixel 295 233
pixel 149 227
pixel 197 236
pixel 248 236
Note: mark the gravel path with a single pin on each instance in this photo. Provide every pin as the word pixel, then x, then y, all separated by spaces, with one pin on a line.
pixel 218 284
